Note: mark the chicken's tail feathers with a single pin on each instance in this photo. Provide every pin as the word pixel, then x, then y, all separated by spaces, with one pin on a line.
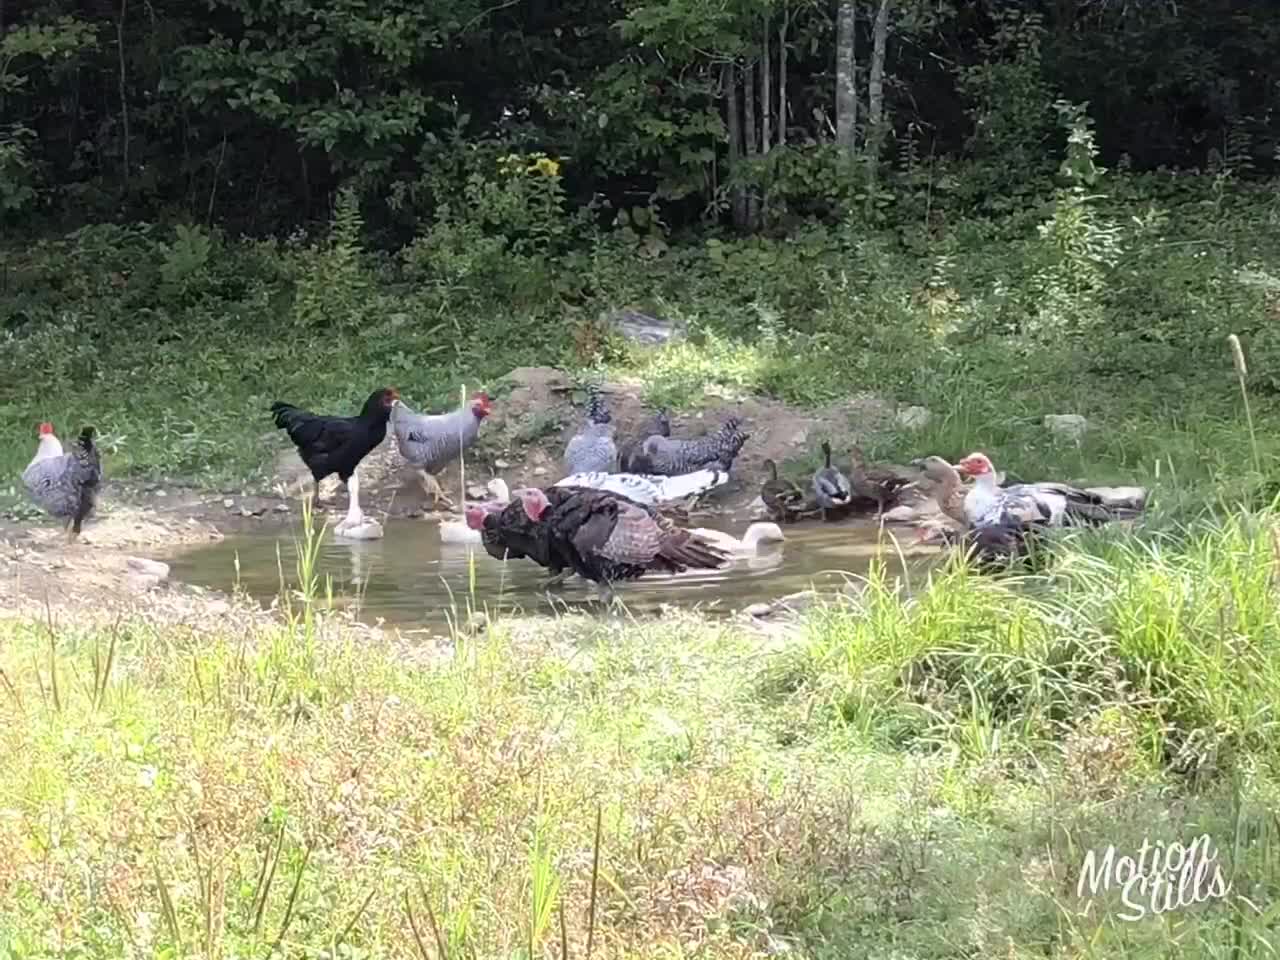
pixel 87 452
pixel 597 405
pixel 87 478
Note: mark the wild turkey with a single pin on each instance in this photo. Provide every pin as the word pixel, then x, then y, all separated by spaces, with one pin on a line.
pixel 607 537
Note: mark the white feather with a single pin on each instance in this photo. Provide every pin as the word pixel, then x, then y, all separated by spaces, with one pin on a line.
pixel 650 491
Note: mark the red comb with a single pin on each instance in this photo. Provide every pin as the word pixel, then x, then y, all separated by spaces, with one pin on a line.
pixel 45 428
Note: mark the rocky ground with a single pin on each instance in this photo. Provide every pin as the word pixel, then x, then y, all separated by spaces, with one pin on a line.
pixel 118 564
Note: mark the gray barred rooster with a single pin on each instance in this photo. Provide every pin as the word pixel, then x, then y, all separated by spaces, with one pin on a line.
pixel 591 449
pixel 629 454
pixel 432 442
pixel 669 457
pixel 65 485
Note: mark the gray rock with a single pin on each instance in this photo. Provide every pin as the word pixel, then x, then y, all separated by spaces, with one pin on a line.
pixel 914 417
pixel 1069 426
pixel 476 491
pixel 282 508
pixel 148 568
pixel 228 503
pixel 642 328
pixel 501 464
pixel 539 471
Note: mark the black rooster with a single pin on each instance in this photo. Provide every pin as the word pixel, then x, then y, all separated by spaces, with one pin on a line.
pixel 336 444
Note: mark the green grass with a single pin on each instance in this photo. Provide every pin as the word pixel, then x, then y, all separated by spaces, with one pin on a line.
pixel 989 324
pixel 913 775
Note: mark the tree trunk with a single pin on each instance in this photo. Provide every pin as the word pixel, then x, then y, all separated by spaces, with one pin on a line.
pixel 846 87
pixel 782 77
pixel 766 106
pixel 766 90
pixel 124 98
pixel 733 123
pixel 875 92
pixel 749 135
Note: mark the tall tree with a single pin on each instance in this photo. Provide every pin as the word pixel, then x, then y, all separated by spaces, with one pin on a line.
pixel 875 92
pixel 846 82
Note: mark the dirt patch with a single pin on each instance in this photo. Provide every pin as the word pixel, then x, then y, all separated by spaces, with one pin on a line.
pixel 522 442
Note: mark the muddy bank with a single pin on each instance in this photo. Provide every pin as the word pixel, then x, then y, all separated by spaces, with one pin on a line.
pixel 522 442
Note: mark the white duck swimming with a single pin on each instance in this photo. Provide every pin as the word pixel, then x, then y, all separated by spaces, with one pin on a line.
pixel 355 525
pixel 457 531
pixel 757 533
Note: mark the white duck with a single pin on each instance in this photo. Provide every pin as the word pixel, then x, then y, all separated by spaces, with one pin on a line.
pixel 355 525
pixel 749 545
pixel 457 531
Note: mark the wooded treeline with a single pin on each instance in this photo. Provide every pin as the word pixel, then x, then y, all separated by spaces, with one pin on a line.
pixel 250 113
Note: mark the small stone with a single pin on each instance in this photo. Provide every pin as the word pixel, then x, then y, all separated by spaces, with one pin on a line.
pixel 914 418
pixel 282 508
pixel 228 503
pixel 501 464
pixel 758 610
pixel 1069 426
pixel 475 491
pixel 539 471
pixel 246 512
pixel 161 493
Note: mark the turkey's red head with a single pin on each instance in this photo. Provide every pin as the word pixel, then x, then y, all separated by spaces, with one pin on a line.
pixel 45 429
pixel 975 465
pixel 475 517
pixel 535 502
pixel 481 405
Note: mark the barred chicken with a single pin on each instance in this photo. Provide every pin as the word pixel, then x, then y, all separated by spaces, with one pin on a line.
pixel 65 485
pixel 669 457
pixel 629 455
pixel 431 442
pixel 592 449
pixel 329 444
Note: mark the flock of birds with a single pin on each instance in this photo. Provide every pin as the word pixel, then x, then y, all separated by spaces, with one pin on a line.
pixel 619 511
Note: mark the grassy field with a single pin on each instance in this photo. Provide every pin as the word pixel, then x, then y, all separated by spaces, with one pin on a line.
pixel 910 774
pixel 904 776
pixel 1117 309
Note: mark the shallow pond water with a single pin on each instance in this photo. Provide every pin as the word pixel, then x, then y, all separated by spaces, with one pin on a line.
pixel 409 578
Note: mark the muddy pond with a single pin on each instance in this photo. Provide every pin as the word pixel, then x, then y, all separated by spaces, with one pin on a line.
pixel 410 579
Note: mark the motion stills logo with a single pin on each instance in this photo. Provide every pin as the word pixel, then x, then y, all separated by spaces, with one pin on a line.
pixel 1158 880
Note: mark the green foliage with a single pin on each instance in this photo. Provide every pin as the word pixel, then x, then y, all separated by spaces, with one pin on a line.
pixel 333 286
